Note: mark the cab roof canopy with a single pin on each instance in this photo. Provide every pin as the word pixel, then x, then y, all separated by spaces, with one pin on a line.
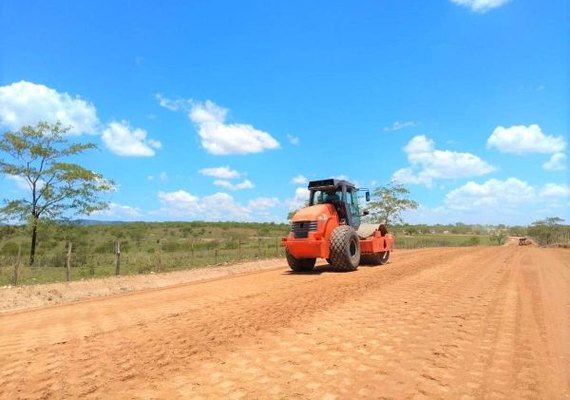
pixel 330 184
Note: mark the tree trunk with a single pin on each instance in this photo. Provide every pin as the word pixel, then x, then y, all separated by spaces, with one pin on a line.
pixel 34 239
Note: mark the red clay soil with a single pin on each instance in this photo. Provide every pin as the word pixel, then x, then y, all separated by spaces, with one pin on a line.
pixel 463 323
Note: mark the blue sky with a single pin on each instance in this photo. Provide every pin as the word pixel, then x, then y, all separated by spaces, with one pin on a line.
pixel 223 110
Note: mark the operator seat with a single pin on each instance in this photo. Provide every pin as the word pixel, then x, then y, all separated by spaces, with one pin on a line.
pixel 341 208
pixel 332 199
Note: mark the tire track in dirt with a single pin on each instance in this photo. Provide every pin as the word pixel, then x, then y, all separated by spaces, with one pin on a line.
pixel 436 323
pixel 373 346
pixel 418 349
pixel 184 321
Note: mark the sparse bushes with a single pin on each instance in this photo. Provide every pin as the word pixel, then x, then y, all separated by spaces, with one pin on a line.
pixel 499 238
pixel 186 231
pixel 550 231
pixel 107 248
pixel 154 247
pixel 9 249
pixel 231 245
pixel 473 241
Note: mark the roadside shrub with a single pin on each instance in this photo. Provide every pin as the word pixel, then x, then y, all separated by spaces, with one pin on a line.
pixel 473 241
pixel 208 245
pixel 145 266
pixel 499 238
pixel 187 231
pixel 263 231
pixel 9 249
pixel 172 246
pixel 231 245
pixel 104 249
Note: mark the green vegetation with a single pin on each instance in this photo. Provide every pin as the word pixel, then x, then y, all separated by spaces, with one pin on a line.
pixel 35 155
pixel 145 248
pixel 169 246
pixel 550 231
pixel 388 202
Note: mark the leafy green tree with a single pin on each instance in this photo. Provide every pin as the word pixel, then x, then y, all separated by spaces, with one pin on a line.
pixel 498 237
pixel 544 230
pixel 460 228
pixel 388 203
pixel 35 156
pixel 291 213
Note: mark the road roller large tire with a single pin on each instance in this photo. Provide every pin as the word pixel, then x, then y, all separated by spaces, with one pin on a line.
pixel 344 249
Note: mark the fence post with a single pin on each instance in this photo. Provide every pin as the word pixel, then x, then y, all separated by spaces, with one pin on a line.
pixel 239 249
pixel 17 266
pixel 118 257
pixel 68 262
pixel 192 254
pixel 159 255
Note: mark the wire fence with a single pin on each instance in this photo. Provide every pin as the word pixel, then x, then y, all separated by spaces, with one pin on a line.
pixel 72 262
pixel 72 265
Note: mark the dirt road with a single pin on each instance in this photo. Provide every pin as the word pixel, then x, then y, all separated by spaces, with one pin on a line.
pixel 468 323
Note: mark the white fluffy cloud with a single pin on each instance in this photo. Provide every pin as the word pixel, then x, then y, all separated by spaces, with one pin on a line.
pixel 173 105
pixel 497 194
pixel 520 139
pixel 120 212
pixel 556 163
pixel 224 174
pixel 300 200
pixel 491 194
pixel 179 204
pixel 222 206
pixel 555 191
pixel 428 164
pixel 220 138
pixel 510 201
pixel 220 172
pixel 20 181
pixel 246 184
pixel 480 5
pixel 26 103
pixel 263 203
pixel 180 199
pixel 123 140
pixel 216 207
pixel 299 180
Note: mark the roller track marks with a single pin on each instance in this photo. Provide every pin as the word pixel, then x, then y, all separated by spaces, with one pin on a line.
pixel 471 323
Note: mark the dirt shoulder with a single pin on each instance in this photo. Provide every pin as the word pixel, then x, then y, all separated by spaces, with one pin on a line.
pixel 24 297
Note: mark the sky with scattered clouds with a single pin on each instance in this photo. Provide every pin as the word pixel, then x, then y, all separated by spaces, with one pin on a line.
pixel 225 110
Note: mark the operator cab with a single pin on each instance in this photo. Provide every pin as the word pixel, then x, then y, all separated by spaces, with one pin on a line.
pixel 341 194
